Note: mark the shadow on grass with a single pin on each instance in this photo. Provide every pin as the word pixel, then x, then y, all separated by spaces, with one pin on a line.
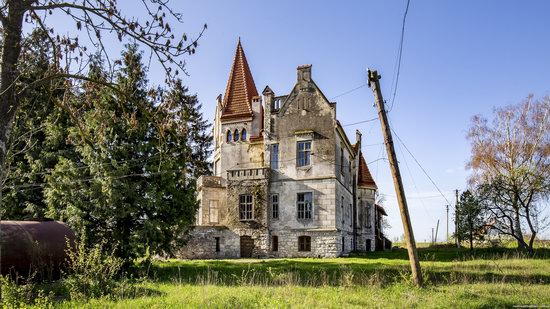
pixel 456 254
pixel 358 271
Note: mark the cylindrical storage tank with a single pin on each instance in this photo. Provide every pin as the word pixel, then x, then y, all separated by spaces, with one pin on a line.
pixel 34 248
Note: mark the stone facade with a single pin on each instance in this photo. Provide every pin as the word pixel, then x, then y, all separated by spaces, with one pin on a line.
pixel 287 181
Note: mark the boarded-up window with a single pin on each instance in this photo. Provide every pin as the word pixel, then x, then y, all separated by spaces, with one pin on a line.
pixel 214 211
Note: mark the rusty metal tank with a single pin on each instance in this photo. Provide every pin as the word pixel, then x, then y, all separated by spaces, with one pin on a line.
pixel 34 248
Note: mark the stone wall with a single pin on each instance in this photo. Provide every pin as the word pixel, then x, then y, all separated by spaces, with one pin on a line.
pixel 323 243
pixel 201 243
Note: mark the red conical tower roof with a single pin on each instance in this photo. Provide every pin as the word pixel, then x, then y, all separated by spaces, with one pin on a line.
pixel 237 102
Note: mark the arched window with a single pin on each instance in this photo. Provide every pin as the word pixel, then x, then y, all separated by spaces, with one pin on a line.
pixel 236 135
pixel 243 135
pixel 229 136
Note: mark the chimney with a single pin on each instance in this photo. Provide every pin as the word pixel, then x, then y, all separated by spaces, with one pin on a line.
pixel 358 140
pixel 304 73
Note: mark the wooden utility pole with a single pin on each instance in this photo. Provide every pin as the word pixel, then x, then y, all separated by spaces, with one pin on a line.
pixel 374 84
pixel 436 231
pixel 456 221
pixel 447 240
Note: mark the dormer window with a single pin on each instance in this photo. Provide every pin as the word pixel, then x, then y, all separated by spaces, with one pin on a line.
pixel 229 137
pixel 236 135
pixel 277 104
pixel 243 135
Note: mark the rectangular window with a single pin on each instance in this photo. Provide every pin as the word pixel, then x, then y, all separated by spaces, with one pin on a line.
pixel 342 211
pixel 303 155
pixel 304 243
pixel 214 212
pixel 343 244
pixel 274 156
pixel 274 243
pixel 368 210
pixel 305 205
pixel 342 160
pixel 217 244
pixel 275 206
pixel 245 207
pixel 351 215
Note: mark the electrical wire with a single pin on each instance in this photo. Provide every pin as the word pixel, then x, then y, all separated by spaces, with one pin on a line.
pixel 349 91
pixel 399 56
pixel 421 167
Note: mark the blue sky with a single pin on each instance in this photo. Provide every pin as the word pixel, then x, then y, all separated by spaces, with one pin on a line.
pixel 460 58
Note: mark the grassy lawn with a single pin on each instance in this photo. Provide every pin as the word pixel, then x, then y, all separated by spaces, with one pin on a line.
pixel 454 279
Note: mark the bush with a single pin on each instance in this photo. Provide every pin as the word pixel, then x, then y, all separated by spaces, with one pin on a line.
pixel 90 273
pixel 18 295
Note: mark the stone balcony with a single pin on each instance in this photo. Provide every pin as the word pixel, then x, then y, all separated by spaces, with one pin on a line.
pixel 256 173
pixel 210 182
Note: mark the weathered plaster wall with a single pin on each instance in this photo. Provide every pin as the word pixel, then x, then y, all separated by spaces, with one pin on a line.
pixel 323 204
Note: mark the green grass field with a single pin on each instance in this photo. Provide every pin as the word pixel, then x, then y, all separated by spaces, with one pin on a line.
pixel 454 279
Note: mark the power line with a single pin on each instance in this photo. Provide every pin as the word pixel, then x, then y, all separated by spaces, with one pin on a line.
pixel 349 91
pixel 359 122
pixel 422 168
pixel 399 54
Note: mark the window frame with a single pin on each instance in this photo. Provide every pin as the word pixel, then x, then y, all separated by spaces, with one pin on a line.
pixel 304 204
pixel 274 159
pixel 303 156
pixel 214 210
pixel 274 206
pixel 341 159
pixel 236 135
pixel 274 243
pixel 243 134
pixel 243 214
pixel 368 207
pixel 304 243
pixel 228 136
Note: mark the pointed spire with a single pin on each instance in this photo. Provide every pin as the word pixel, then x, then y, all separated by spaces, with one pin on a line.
pixel 240 90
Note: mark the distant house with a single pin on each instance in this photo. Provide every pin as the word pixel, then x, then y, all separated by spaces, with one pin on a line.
pixel 287 180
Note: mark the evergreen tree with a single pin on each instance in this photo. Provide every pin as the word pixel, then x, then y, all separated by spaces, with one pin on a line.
pixel 471 218
pixel 38 137
pixel 138 157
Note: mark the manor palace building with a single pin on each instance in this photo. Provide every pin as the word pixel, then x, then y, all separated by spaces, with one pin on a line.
pixel 287 181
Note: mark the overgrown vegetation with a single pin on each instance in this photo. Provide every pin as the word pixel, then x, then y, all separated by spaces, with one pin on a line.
pixel 455 278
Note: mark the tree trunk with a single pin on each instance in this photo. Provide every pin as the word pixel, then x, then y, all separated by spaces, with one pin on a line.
pixel 471 237
pixel 517 230
pixel 12 24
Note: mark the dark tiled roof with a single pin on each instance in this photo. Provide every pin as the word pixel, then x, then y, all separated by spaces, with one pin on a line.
pixel 237 102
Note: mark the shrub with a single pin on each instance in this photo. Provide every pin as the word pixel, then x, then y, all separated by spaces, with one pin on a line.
pixel 18 295
pixel 90 272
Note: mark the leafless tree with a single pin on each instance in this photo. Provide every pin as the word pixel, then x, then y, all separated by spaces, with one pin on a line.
pixel 98 21
pixel 511 168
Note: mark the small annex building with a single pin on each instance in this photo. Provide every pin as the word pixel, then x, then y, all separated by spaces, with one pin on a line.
pixel 287 181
